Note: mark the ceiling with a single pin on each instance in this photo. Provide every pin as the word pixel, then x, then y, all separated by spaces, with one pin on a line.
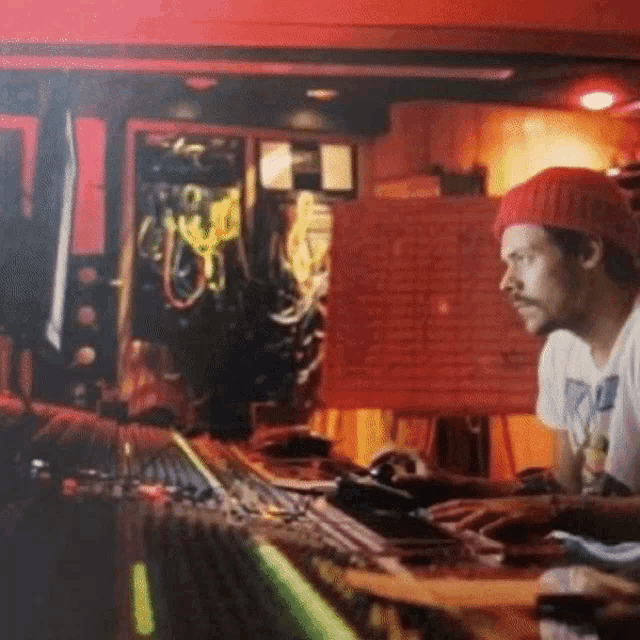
pixel 269 87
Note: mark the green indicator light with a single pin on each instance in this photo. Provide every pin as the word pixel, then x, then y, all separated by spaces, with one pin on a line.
pixel 142 609
pixel 319 620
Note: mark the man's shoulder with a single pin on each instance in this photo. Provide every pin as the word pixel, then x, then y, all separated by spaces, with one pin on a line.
pixel 563 352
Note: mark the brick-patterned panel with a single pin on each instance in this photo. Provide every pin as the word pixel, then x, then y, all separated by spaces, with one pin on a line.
pixel 416 320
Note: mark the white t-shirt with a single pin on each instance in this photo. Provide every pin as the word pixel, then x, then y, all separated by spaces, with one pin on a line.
pixel 600 408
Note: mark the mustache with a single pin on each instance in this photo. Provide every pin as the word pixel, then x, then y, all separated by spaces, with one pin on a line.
pixel 517 300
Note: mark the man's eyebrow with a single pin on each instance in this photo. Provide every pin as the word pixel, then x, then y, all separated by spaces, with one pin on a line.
pixel 520 251
pixel 512 254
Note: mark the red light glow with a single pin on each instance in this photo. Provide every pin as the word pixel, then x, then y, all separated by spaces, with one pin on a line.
pixel 200 83
pixel 155 494
pixel 87 276
pixel 87 316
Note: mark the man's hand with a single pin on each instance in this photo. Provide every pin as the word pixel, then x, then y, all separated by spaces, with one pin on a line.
pixel 490 515
pixel 406 470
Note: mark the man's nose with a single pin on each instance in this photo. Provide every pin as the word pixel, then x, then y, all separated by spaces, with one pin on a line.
pixel 509 282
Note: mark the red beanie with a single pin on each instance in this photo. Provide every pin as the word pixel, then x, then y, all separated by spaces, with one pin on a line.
pixel 571 198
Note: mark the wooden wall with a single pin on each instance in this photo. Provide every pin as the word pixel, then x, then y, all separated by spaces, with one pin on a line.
pixel 516 441
pixel 513 143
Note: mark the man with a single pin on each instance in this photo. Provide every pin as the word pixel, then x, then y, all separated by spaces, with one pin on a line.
pixel 569 242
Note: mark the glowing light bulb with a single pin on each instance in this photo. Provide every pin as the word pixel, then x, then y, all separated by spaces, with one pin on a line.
pixel 597 100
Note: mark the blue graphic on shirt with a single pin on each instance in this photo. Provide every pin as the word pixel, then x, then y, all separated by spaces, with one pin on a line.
pixel 606 393
pixel 587 416
pixel 580 405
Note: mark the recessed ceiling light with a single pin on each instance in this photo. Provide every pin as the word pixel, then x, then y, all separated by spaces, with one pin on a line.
pixel 200 83
pixel 185 110
pixel 324 95
pixel 307 119
pixel 597 100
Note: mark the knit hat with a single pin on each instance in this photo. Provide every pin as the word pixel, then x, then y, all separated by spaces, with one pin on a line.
pixel 575 199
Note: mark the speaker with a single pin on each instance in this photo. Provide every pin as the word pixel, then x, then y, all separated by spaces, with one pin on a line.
pixel 89 341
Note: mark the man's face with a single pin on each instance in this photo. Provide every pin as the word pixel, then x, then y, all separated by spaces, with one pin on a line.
pixel 542 283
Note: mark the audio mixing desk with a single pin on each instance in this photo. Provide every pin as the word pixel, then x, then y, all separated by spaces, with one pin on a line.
pixel 125 531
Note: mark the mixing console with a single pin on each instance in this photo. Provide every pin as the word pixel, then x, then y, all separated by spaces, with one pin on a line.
pixel 119 530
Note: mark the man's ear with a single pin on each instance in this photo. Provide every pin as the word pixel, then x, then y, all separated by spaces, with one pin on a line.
pixel 593 253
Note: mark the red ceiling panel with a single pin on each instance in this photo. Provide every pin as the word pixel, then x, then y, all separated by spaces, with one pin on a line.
pixel 263 23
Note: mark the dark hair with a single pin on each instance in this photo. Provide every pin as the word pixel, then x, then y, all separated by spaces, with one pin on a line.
pixel 618 262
